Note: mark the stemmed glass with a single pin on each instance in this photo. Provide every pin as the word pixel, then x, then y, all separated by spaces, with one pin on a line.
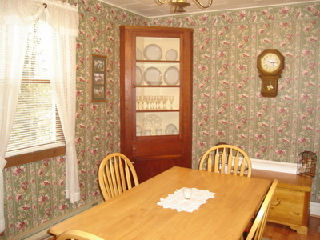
pixel 158 102
pixel 144 100
pixel 139 103
pixel 171 99
pixel 148 101
pixel 154 102
pixel 164 102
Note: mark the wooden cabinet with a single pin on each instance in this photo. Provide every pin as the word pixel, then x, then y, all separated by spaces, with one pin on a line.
pixel 156 97
pixel 291 201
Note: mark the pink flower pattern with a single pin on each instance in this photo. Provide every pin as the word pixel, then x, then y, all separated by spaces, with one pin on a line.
pixel 228 106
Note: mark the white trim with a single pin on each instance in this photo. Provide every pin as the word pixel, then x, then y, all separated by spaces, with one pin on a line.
pixel 34 149
pixel 206 11
pixel 283 167
pixel 315 208
pixel 227 9
pixel 123 8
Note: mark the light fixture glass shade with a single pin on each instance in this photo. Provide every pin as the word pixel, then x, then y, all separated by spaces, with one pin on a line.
pixel 177 6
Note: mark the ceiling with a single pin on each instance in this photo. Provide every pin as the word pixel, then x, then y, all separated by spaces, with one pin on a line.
pixel 148 8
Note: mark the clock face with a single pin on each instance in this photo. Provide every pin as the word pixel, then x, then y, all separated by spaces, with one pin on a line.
pixel 270 62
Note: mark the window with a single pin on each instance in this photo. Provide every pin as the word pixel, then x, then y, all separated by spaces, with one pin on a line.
pixel 36 125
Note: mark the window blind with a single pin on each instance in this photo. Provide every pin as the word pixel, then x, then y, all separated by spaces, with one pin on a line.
pixel 36 124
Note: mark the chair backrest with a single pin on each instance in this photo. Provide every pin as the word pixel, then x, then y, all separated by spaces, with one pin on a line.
pixel 78 235
pixel 226 159
pixel 116 175
pixel 260 220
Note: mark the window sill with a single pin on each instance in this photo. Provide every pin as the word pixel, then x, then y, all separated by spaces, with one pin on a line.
pixel 21 159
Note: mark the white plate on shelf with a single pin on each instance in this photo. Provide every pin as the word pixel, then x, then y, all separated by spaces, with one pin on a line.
pixel 138 54
pixel 171 129
pixel 171 55
pixel 171 76
pixel 152 76
pixel 138 76
pixel 152 52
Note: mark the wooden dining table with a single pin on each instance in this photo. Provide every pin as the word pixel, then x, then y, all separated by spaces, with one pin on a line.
pixel 136 215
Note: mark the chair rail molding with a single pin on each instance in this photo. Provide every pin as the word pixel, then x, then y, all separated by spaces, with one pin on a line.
pixel 284 167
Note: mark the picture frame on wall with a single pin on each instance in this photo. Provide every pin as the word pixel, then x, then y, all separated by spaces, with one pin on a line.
pixel 98 83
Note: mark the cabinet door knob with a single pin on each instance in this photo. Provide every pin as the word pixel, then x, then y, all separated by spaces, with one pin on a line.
pixel 276 202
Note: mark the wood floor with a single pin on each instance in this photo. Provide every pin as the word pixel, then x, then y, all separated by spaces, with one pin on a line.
pixel 278 232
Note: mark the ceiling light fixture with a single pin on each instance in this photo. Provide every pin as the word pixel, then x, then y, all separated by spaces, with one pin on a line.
pixel 177 6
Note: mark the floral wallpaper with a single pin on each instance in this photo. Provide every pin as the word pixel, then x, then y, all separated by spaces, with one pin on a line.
pixel 35 192
pixel 226 95
pixel 227 104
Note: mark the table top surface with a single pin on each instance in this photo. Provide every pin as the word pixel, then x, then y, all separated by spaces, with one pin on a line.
pixel 293 181
pixel 136 215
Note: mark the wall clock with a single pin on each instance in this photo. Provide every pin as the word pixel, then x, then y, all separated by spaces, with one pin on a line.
pixel 270 64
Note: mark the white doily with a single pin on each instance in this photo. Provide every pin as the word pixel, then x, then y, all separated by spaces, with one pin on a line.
pixel 186 199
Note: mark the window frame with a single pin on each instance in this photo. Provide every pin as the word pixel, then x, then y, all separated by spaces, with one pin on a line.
pixel 21 159
pixel 39 152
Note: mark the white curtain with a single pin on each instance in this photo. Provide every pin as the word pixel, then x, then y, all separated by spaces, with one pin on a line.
pixel 16 19
pixel 14 27
pixel 64 21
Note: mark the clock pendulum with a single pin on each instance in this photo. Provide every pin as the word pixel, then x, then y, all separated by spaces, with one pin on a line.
pixel 270 63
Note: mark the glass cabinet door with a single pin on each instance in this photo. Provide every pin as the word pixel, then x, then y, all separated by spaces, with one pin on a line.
pixel 157 86
pixel 156 65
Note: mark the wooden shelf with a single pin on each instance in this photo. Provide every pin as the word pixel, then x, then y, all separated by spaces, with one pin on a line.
pixel 154 153
pixel 156 61
pixel 290 205
pixel 294 181
pixel 157 86
pixel 159 111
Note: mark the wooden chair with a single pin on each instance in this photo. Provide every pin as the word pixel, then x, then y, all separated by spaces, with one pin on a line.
pixel 116 175
pixel 78 235
pixel 226 159
pixel 260 220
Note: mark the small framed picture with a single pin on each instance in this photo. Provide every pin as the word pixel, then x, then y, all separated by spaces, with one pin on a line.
pixel 98 83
